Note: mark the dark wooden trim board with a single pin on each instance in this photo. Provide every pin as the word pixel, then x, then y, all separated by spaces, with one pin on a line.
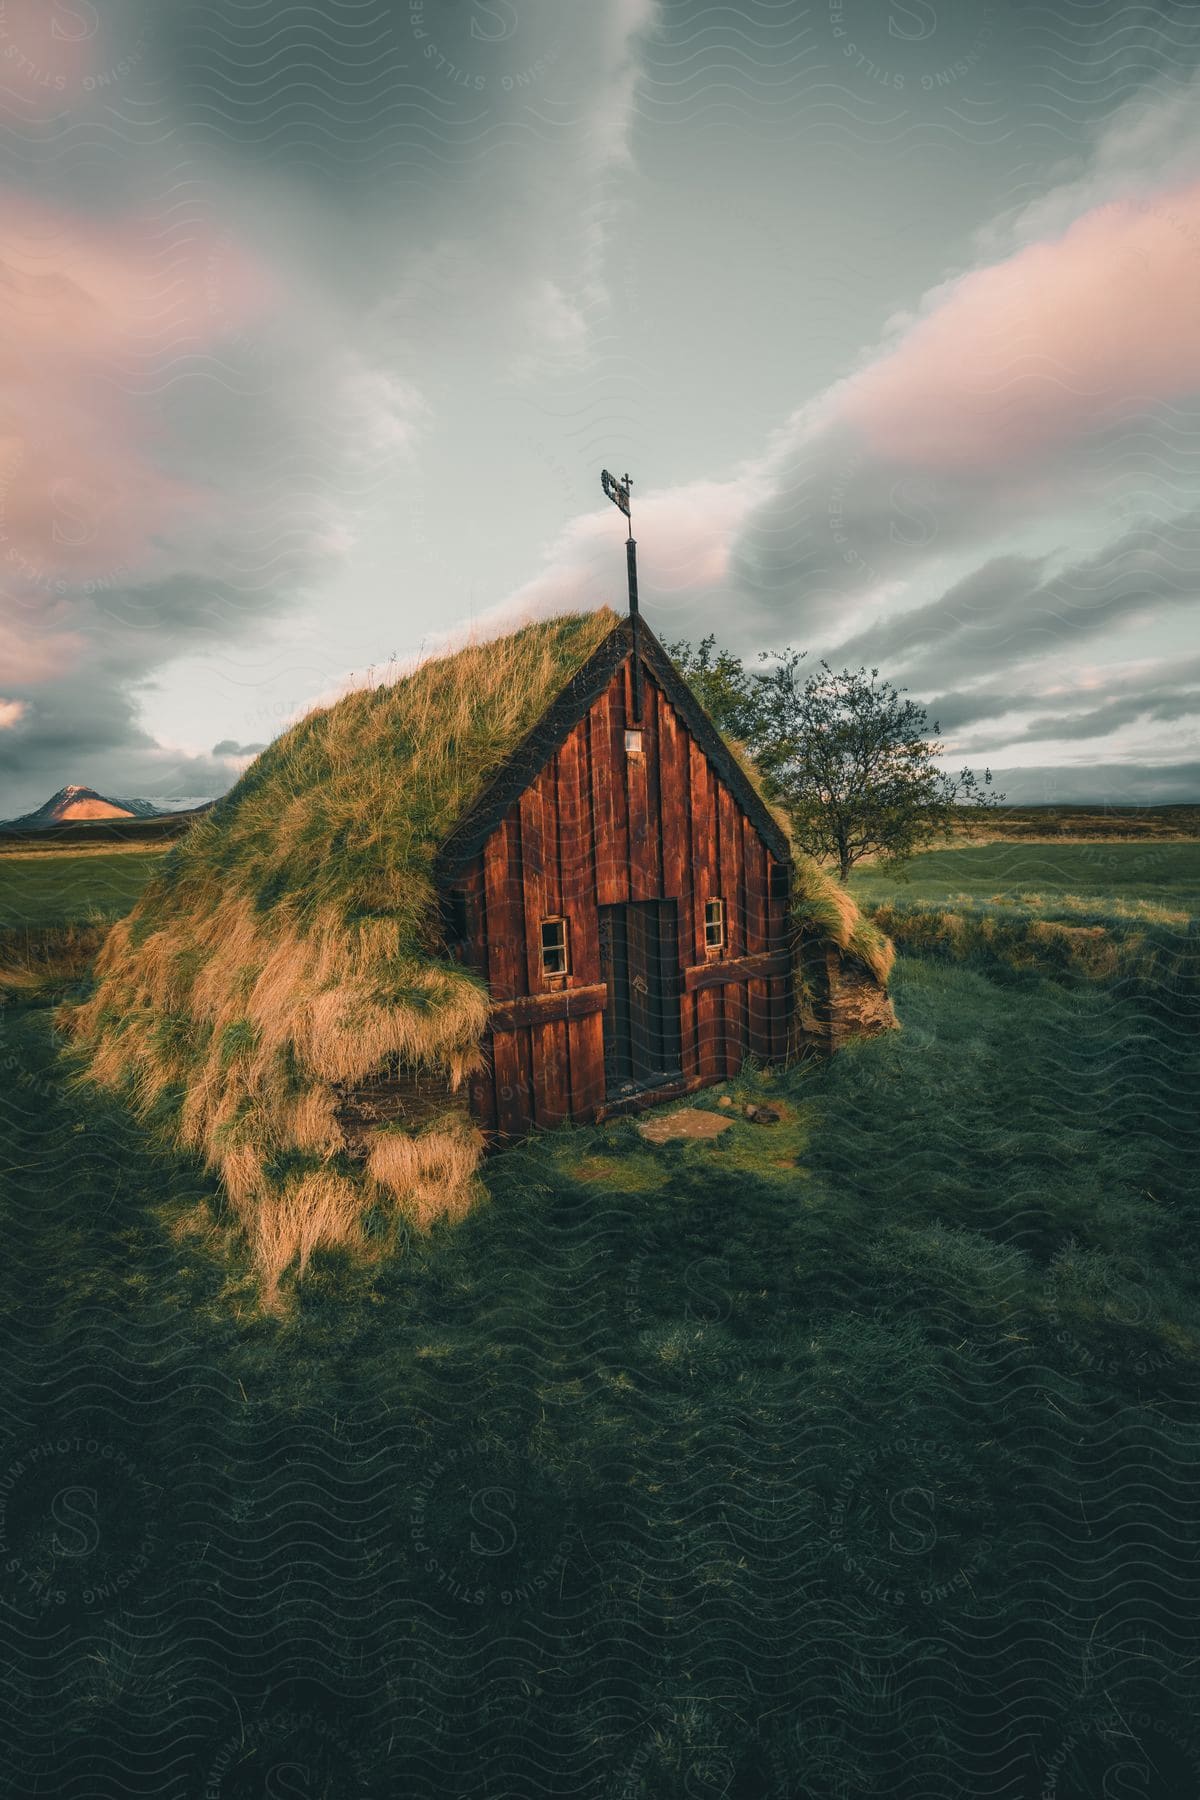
pixel 544 1009
pixel 762 966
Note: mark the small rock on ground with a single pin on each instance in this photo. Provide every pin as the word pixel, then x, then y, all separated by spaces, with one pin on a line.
pixel 762 1115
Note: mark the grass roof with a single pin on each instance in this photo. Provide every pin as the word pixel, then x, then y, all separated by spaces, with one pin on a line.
pixel 290 942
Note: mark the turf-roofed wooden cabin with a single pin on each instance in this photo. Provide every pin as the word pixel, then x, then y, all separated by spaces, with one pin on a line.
pixel 624 891
pixel 490 896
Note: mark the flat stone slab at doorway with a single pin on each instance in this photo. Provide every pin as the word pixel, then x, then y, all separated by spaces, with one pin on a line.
pixel 684 1122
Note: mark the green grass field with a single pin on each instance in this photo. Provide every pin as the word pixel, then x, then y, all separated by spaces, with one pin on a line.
pixel 48 888
pixel 851 1456
pixel 1121 914
pixel 1166 874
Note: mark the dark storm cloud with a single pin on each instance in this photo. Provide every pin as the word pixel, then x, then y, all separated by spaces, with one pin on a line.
pixel 1165 689
pixel 228 747
pixel 83 715
pixel 1008 611
pixel 840 521
pixel 987 602
pixel 85 724
pixel 1101 784
pixel 344 91
pixel 1180 703
pixel 442 165
pixel 85 727
pixel 183 611
pixel 953 711
pixel 837 522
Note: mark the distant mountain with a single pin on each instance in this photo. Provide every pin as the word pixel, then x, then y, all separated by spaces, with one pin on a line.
pixel 74 802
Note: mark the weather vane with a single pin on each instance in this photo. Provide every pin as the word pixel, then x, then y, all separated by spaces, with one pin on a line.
pixel 618 493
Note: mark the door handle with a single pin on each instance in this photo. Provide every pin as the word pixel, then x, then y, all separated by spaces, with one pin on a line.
pixel 639 982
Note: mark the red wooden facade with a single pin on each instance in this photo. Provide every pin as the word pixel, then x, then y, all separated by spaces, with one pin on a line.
pixel 630 847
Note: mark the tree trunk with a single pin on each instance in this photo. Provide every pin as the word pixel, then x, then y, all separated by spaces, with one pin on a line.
pixel 844 868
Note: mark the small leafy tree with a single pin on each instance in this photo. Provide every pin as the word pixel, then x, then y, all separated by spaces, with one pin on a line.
pixel 725 688
pixel 850 758
pixel 854 762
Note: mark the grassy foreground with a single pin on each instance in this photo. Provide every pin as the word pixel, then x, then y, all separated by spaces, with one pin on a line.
pixel 855 1455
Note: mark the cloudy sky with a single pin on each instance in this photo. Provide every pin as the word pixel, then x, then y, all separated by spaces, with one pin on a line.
pixel 321 320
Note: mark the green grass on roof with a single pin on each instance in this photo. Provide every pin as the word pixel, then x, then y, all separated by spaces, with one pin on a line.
pixel 347 808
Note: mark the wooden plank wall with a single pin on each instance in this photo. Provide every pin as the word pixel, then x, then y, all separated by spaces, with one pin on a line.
pixel 482 1084
pixel 709 1054
pixel 598 828
pixel 679 882
pixel 504 925
pixel 584 1040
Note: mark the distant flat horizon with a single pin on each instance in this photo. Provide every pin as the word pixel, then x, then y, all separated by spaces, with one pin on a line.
pixel 1041 802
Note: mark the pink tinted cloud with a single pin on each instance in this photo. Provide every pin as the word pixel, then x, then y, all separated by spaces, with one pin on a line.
pixel 97 322
pixel 28 657
pixel 58 54
pixel 1032 352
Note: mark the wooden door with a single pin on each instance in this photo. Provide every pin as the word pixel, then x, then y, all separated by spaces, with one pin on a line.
pixel 639 950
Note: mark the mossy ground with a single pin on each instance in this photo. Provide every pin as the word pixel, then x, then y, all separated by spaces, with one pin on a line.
pixel 670 1471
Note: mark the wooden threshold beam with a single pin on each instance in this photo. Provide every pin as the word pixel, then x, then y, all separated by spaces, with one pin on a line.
pixel 635 1103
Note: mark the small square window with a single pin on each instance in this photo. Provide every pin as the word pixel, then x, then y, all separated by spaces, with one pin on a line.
pixel 633 742
pixel 554 946
pixel 714 924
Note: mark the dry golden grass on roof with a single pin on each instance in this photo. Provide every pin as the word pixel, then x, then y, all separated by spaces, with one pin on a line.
pixel 289 943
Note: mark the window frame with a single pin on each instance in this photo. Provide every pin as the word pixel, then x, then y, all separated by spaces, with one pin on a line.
pixel 714 946
pixel 638 749
pixel 556 977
